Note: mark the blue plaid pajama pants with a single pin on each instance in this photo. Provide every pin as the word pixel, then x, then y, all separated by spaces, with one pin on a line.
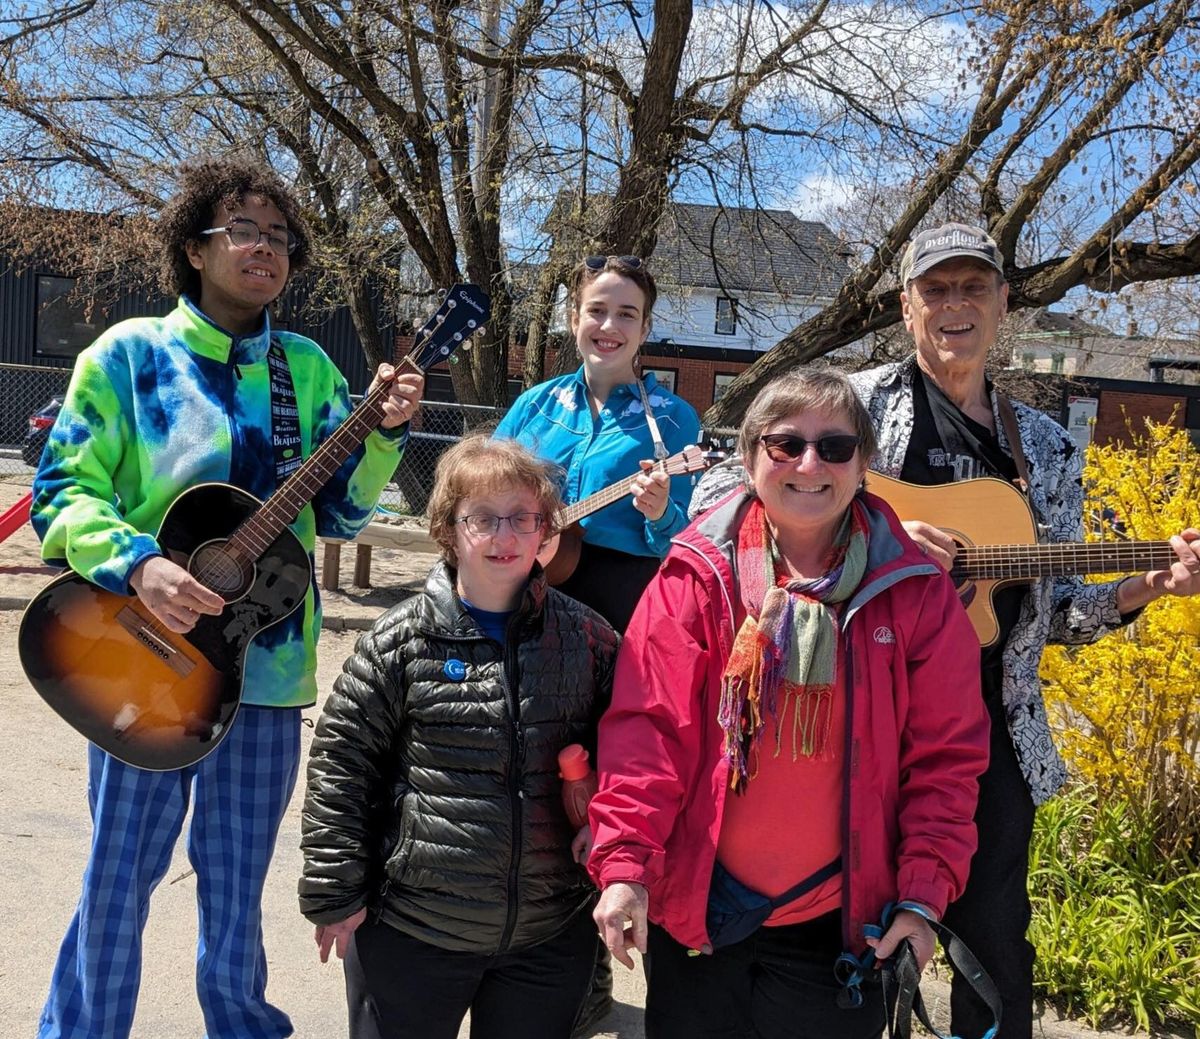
pixel 238 794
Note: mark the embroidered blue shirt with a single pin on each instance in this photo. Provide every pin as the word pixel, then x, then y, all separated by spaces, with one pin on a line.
pixel 555 422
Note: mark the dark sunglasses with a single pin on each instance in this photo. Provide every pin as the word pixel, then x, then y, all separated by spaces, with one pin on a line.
pixel 787 447
pixel 598 263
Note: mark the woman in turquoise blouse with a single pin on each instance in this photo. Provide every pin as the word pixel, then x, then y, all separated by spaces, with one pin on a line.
pixel 593 424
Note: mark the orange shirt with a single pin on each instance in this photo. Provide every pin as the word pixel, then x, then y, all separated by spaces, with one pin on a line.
pixel 788 823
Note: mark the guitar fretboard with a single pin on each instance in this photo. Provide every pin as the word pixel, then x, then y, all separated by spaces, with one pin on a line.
pixel 263 526
pixel 675 466
pixel 995 562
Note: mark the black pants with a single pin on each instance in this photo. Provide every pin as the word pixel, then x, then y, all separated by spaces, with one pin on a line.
pixel 610 582
pixel 776 984
pixel 993 913
pixel 399 987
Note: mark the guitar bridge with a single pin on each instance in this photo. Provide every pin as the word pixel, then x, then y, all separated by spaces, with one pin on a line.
pixel 134 623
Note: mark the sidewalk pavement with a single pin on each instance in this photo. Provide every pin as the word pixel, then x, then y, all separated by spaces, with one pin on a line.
pixel 44 834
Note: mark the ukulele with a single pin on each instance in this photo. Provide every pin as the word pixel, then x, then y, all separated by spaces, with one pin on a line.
pixel 158 699
pixel 560 555
pixel 996 534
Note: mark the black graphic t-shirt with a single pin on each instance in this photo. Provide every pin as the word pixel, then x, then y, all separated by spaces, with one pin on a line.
pixel 947 446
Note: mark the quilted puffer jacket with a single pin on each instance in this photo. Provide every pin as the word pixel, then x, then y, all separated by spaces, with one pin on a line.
pixel 433 791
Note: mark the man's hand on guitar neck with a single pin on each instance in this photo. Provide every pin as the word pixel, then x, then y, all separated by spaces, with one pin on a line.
pixel 1182 579
pixel 403 398
pixel 933 541
pixel 173 595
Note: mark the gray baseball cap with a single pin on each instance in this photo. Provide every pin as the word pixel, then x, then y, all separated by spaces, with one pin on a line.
pixel 949 242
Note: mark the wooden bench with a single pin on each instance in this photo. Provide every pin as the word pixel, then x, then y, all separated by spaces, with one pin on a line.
pixel 385 535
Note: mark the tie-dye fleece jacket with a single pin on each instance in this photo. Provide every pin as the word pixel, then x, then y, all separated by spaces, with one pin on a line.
pixel 157 405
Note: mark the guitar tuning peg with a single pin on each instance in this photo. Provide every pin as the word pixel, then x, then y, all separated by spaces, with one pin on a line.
pixel 465 346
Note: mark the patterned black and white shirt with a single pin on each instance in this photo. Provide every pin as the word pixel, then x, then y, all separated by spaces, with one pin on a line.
pixel 1061 610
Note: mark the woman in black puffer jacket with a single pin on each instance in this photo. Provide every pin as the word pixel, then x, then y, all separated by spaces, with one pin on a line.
pixel 437 851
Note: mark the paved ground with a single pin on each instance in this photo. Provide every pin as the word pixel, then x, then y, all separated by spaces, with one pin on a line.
pixel 44 835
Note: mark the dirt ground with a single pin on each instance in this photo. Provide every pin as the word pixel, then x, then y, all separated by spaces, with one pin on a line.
pixel 44 836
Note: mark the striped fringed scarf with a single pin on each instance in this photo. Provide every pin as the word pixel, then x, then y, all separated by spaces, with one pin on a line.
pixel 788 642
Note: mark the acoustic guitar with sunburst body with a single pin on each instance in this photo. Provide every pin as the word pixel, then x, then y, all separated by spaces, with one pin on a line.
pixel 996 534
pixel 162 700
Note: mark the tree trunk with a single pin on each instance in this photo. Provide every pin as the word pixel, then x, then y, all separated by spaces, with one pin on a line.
pixel 366 324
pixel 552 275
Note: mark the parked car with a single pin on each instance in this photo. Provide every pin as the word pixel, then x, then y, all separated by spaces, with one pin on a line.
pixel 39 432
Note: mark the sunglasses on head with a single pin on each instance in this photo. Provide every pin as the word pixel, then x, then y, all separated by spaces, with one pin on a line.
pixel 787 447
pixel 598 263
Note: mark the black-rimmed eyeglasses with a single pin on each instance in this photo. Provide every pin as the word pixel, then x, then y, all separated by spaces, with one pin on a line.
pixel 484 524
pixel 787 447
pixel 598 263
pixel 246 234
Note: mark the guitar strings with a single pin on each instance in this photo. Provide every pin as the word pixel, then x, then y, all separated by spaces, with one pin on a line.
pixel 679 464
pixel 1024 560
pixel 314 464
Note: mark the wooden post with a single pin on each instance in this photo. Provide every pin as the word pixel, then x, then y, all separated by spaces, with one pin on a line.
pixel 331 566
pixel 362 566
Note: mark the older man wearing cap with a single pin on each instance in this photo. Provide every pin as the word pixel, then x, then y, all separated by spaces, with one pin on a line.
pixel 939 419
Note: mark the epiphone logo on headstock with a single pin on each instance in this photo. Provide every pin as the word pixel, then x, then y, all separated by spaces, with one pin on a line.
pixel 470 301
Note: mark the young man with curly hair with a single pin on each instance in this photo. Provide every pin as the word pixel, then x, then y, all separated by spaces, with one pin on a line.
pixel 155 406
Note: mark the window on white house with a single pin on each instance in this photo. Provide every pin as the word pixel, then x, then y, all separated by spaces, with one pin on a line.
pixel 726 324
pixel 1056 364
pixel 63 323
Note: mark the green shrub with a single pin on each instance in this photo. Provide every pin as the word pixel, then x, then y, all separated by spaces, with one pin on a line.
pixel 1115 925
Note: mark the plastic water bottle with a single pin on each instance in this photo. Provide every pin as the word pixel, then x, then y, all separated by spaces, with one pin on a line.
pixel 579 783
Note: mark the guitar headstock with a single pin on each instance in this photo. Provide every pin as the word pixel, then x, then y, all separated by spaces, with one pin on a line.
pixel 463 311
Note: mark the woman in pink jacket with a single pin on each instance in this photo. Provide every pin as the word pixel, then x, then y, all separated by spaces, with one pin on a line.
pixel 793 744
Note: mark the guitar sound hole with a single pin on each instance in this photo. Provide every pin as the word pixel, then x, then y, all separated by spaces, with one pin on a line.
pixel 215 568
pixel 966 588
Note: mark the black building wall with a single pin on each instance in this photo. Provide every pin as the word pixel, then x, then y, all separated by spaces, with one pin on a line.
pixel 22 389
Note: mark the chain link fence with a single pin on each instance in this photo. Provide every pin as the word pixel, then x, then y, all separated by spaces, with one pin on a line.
pixel 437 425
pixel 28 394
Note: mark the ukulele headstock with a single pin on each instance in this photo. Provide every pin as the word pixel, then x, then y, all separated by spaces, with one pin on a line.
pixel 693 458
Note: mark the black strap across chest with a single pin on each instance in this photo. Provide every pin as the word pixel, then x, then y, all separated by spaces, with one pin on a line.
pixel 285 414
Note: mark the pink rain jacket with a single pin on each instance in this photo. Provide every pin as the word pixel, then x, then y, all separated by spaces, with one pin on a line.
pixel 916 732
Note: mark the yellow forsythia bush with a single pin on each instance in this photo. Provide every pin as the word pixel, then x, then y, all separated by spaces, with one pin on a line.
pixel 1127 709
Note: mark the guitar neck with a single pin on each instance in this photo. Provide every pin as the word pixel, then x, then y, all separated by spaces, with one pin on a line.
pixel 262 527
pixel 595 502
pixel 996 562
pixel 689 460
